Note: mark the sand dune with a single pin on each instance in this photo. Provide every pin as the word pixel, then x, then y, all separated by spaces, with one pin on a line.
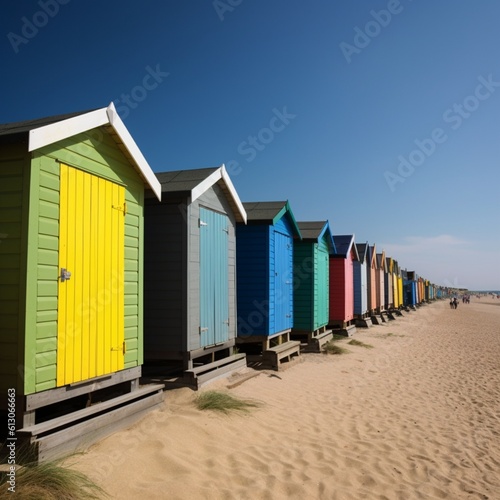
pixel 416 417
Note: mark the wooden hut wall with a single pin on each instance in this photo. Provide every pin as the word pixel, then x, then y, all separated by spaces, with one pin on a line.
pixel 252 269
pixel 262 296
pixel 380 284
pixel 388 284
pixel 216 201
pixel 30 332
pixel 360 288
pixel 14 207
pixel 311 284
pixel 280 277
pixel 395 292
pixel 341 307
pixel 371 273
pixel 165 294
pixel 173 294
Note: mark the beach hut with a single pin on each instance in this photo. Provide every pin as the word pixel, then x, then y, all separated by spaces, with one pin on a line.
pixel 410 289
pixel 360 286
pixel 395 291
pixel 389 283
pixel 265 249
pixel 71 281
pixel 427 292
pixel 371 272
pixel 400 286
pixel 420 290
pixel 190 274
pixel 342 283
pixel 311 278
pixel 380 281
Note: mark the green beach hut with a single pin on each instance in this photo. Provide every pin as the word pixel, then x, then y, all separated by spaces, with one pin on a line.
pixel 311 275
pixel 71 261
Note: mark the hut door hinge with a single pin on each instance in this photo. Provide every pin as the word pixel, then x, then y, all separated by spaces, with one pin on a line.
pixel 203 329
pixel 226 230
pixel 226 322
pixel 121 209
pixel 201 223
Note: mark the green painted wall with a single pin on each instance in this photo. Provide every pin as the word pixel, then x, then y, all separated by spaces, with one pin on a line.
pixel 97 153
pixel 311 285
pixel 303 285
pixel 14 179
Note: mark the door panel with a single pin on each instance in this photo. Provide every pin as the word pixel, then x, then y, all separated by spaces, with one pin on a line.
pixel 283 284
pixel 90 339
pixel 214 278
pixel 323 287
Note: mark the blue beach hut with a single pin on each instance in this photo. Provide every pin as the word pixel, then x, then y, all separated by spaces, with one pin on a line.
pixel 409 289
pixel 264 269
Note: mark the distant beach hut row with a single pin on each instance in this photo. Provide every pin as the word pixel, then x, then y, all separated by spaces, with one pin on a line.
pixel 106 266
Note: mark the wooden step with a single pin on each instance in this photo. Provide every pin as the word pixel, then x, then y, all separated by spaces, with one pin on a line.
pixel 201 375
pixel 275 355
pixel 319 341
pixel 64 435
pixel 347 331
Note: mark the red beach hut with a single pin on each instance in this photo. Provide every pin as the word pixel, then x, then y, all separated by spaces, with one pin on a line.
pixel 342 283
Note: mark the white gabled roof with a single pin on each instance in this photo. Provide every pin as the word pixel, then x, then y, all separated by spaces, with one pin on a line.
pixel 195 182
pixel 221 173
pixel 54 132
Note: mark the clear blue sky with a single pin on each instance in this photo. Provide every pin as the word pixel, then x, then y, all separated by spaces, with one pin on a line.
pixel 317 102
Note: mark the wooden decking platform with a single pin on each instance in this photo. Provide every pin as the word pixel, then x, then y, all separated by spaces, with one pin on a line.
pixel 347 331
pixel 276 355
pixel 364 322
pixel 377 319
pixel 387 316
pixel 313 341
pixel 203 374
pixel 273 350
pixel 65 434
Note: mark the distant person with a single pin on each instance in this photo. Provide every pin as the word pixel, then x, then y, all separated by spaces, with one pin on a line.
pixel 451 304
pixel 455 303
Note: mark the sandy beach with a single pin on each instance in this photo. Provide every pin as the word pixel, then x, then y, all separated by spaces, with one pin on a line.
pixel 415 417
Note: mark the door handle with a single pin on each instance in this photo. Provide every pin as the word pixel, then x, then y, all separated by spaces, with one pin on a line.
pixel 65 275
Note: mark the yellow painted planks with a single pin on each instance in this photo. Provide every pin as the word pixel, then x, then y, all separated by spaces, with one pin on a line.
pixel 91 302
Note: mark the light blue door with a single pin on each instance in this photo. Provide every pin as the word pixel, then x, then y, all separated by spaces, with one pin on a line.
pixel 214 278
pixel 283 282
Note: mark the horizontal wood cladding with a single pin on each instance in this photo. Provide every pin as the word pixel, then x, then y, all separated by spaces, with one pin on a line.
pixel 13 212
pixel 164 269
pixel 252 271
pixel 94 152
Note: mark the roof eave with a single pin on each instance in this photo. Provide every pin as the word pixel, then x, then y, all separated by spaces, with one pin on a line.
pixel 287 209
pixel 58 131
pixel 228 188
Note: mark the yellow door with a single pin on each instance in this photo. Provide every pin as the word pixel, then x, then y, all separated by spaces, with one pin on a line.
pixel 90 335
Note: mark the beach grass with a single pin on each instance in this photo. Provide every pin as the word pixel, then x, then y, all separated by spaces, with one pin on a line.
pixel 223 402
pixel 332 348
pixel 50 481
pixel 336 337
pixel 360 344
